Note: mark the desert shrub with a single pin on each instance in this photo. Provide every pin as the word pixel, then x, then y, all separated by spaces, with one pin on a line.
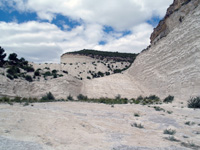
pixel 152 99
pixel 65 71
pixel 117 71
pixel 158 108
pixel 169 112
pixel 88 77
pixel 107 73
pixel 10 76
pixel 37 73
pixel 137 125
pixel 17 99
pixel 13 70
pixel 48 97
pixel 118 97
pixel 82 97
pixel 4 99
pixel 139 98
pixel 100 74
pixel 28 78
pixel 189 123
pixel 194 102
pixel 169 131
pixel 190 145
pixel 136 114
pixel 168 99
pixel 2 56
pixel 47 73
pixel 54 71
pixel 70 98
pixel 172 138
pixel 28 68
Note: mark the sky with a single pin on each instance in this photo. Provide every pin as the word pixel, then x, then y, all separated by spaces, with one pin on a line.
pixel 42 30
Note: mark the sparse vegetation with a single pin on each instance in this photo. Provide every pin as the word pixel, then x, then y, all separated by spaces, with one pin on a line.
pixel 168 99
pixel 169 131
pixel 152 99
pixel 194 102
pixel 172 138
pixel 70 98
pixel 189 123
pixel 190 145
pixel 104 55
pixel 48 97
pixel 169 112
pixel 137 125
pixel 136 114
pixel 81 97
pixel 158 108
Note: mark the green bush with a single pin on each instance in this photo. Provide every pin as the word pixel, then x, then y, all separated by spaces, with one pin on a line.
pixel 28 78
pixel 169 131
pixel 168 99
pixel 13 70
pixel 88 77
pixel 158 108
pixel 47 73
pixel 28 68
pixel 37 73
pixel 194 102
pixel 48 97
pixel 82 97
pixel 70 98
pixel 137 125
pixel 10 76
pixel 4 99
pixel 136 114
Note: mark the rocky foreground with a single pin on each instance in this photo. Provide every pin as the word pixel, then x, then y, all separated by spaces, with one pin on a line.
pixel 89 126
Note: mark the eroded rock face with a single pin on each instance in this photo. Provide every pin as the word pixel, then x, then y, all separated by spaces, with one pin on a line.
pixel 60 87
pixel 171 66
pixel 169 23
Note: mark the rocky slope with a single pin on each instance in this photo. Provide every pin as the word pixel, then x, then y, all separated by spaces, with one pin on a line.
pixel 61 79
pixel 169 66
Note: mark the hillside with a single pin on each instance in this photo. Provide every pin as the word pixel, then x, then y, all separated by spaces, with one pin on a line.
pixel 170 65
pixel 61 79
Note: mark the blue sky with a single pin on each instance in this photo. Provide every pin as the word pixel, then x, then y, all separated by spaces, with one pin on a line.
pixel 41 31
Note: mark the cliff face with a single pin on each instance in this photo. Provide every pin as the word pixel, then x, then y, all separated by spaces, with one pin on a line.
pixel 175 15
pixel 171 65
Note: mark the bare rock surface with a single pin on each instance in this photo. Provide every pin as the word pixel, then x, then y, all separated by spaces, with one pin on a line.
pixel 90 126
pixel 171 65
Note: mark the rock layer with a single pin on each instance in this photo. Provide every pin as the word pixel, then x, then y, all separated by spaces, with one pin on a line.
pixel 171 66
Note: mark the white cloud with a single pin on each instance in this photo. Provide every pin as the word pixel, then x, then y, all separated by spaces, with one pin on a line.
pixel 120 14
pixel 45 42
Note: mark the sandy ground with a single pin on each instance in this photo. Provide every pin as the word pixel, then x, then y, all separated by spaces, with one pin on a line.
pixel 89 126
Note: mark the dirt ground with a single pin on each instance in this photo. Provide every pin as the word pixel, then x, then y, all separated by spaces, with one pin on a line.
pixel 89 126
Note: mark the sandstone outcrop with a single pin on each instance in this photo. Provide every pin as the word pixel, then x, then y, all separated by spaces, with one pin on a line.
pixel 179 9
pixel 169 66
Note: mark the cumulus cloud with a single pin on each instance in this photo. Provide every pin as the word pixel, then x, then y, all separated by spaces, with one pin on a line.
pixel 40 41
